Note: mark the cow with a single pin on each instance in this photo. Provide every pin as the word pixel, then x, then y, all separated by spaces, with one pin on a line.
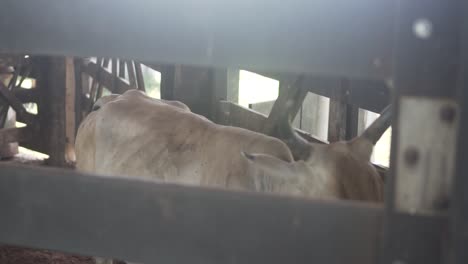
pixel 138 136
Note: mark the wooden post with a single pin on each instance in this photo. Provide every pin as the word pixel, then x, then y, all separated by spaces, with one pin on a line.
pixel 7 120
pixel 225 88
pixel 192 86
pixel 131 73
pixel 56 109
pixel 343 118
pixel 139 76
pixel 167 82
pixel 352 121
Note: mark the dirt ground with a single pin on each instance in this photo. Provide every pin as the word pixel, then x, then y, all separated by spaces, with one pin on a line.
pixel 18 255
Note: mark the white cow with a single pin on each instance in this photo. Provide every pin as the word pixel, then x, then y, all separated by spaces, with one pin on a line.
pixel 135 135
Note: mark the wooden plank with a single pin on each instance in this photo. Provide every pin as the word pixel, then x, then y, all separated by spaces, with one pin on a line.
pixel 423 73
pixel 121 69
pixel 352 121
pixel 107 79
pixel 70 114
pixel 95 83
pixel 139 77
pixel 54 76
pixel 131 73
pixel 370 95
pixel 235 115
pixel 154 66
pixel 225 87
pixel 114 75
pixel 193 86
pixel 167 82
pixel 20 134
pixel 79 92
pixel 73 210
pixel 356 41
pixel 458 199
pixel 337 116
pixel 26 95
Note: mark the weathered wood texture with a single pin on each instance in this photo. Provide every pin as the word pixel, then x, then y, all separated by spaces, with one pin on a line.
pixel 56 131
pixel 26 95
pixel 17 105
pixel 343 118
pixel 131 73
pixel 370 95
pixel 139 77
pixel 13 134
pixel 194 87
pixel 7 116
pixel 106 79
pixel 167 82
pixel 231 114
pixel 93 216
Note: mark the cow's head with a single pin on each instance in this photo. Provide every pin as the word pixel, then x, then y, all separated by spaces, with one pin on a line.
pixel 338 170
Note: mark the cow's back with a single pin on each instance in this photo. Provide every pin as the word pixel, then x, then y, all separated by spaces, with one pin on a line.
pixel 135 135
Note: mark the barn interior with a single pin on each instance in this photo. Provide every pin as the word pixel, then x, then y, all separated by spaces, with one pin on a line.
pixel 236 63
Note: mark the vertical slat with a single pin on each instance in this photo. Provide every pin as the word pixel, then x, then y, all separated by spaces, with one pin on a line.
pixel 352 121
pixel 193 86
pixel 80 79
pixel 139 77
pixel 422 71
pixel 167 82
pixel 337 117
pixel 459 206
pixel 70 114
pixel 225 88
pixel 95 83
pixel 105 63
pixel 52 81
pixel 114 74
pixel 131 73
pixel 121 69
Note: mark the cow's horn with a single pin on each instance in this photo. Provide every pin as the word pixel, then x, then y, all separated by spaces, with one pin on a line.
pixel 300 148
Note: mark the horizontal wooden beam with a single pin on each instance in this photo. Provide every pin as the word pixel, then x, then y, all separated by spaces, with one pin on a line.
pixel 26 95
pixel 371 95
pixel 154 66
pixel 300 36
pixel 10 135
pixel 142 221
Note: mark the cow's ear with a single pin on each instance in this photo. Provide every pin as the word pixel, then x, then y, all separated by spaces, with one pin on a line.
pixel 270 173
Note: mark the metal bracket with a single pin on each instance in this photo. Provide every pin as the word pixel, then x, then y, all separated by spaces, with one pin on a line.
pixel 426 152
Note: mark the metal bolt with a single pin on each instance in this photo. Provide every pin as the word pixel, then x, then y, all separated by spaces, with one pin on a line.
pixel 422 28
pixel 411 156
pixel 447 114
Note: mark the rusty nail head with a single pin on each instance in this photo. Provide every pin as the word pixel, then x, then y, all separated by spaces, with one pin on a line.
pixel 411 156
pixel 447 114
